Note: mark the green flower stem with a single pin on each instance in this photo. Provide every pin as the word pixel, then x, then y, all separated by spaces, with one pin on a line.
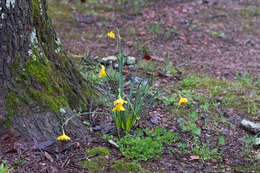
pixel 120 63
pixel 121 89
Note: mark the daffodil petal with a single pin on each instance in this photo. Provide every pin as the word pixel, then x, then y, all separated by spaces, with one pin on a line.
pixel 102 71
pixel 63 137
pixel 182 100
pixel 111 35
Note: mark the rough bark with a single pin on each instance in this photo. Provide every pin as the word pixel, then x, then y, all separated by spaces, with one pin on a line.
pixel 37 77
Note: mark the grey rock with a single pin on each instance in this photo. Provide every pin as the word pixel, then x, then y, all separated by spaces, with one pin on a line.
pixel 109 59
pixel 130 60
pixel 251 126
pixel 116 65
pixel 139 80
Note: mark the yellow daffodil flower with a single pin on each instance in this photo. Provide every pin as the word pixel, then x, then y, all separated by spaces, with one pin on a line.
pixel 111 35
pixel 182 100
pixel 63 137
pixel 118 107
pixel 102 71
pixel 119 104
pixel 119 101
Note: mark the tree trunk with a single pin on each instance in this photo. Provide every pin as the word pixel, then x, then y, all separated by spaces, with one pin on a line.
pixel 37 77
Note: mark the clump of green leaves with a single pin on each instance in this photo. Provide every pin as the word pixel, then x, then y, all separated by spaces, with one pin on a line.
pixel 190 82
pixel 137 98
pixel 216 34
pixel 170 32
pixel 250 12
pixel 205 152
pixel 182 147
pixel 172 100
pixel 125 106
pixel 155 28
pixel 189 123
pixel 96 161
pixel 146 144
pixel 148 66
pixel 249 142
pixel 202 150
pixel 245 77
pixel 221 140
pixel 4 167
pixel 90 74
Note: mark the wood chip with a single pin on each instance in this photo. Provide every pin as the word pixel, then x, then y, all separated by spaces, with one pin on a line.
pixel 195 157
pixel 48 156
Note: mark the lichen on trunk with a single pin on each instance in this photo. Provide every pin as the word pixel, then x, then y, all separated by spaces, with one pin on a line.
pixel 38 77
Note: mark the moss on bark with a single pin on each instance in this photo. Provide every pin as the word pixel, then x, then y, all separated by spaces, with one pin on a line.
pixel 42 77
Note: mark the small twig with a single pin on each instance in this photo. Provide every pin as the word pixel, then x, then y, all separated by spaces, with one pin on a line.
pixel 67 161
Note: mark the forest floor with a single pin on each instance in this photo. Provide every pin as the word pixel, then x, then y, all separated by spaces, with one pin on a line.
pixel 208 51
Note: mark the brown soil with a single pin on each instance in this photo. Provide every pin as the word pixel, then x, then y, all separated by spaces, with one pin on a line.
pixel 218 38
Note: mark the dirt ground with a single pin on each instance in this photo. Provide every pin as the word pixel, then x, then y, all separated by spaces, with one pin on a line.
pixel 213 37
pixel 220 38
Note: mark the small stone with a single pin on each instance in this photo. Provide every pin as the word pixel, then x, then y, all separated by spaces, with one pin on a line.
pixel 113 143
pixel 96 57
pixel 109 59
pixel 257 141
pixel 42 163
pixel 139 80
pixel 258 155
pixel 195 157
pixel 115 65
pixel 130 60
pixel 62 110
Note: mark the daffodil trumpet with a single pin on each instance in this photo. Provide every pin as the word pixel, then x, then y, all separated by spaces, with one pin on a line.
pixel 63 137
pixel 119 104
pixel 182 100
pixel 102 72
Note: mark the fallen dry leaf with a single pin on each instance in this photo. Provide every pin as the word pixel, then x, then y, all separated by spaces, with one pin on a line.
pixel 77 144
pixel 147 56
pixel 48 156
pixel 195 157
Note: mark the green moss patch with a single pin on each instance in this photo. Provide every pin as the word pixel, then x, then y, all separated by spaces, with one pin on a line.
pixel 210 92
pixel 123 166
pixel 100 151
pixel 97 161
pixel 37 80
pixel 248 168
pixel 96 164
pixel 12 101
